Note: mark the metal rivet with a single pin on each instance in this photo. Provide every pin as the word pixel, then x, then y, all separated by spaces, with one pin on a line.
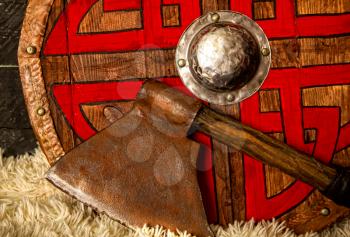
pixel 31 50
pixel 265 51
pixel 230 97
pixel 41 111
pixel 325 212
pixel 215 17
pixel 181 62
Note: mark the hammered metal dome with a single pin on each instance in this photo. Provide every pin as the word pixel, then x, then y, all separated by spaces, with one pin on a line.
pixel 223 57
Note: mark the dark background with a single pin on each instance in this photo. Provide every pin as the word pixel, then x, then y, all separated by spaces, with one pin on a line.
pixel 16 135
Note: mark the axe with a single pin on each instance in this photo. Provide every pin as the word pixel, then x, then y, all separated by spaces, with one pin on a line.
pixel 141 169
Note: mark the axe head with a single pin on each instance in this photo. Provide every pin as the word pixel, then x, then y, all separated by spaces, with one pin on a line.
pixel 142 169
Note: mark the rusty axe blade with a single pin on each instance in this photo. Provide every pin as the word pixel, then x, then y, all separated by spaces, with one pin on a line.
pixel 141 170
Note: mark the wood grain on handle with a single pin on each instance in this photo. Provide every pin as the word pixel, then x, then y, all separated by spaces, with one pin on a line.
pixel 264 148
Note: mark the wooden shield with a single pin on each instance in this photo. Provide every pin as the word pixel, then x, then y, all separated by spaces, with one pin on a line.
pixel 81 60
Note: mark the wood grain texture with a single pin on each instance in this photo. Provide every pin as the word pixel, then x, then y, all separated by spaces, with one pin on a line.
pixel 223 183
pixel 309 213
pixel 269 101
pixel 313 7
pixel 214 5
pixel 105 67
pixel 264 148
pixel 338 95
pixel 56 9
pixel 310 51
pixel 228 171
pixel 171 15
pixel 17 141
pixel 237 184
pixel 11 18
pixel 285 53
pixel 119 66
pixel 56 71
pixel 96 20
pixel 159 63
pixel 99 115
pixel 12 108
pixel 264 10
pixel 341 158
pixel 310 135
pixel 276 180
pixel 317 51
pixel 16 135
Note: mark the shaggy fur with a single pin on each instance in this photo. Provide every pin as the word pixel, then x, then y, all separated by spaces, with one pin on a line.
pixel 31 206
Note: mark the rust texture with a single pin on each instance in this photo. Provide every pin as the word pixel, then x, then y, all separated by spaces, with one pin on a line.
pixel 137 172
pixel 170 111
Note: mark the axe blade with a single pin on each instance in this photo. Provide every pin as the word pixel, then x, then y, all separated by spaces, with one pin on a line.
pixel 136 174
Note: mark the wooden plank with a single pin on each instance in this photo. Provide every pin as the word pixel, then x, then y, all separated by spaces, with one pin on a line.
pixel 276 181
pixel 105 67
pixel 56 70
pixel 222 183
pixel 11 18
pixel 12 107
pixel 310 51
pixel 341 158
pixel 56 10
pixel 16 135
pixel 228 172
pixel 236 168
pixel 318 51
pixel 329 96
pixel 285 53
pixel 99 115
pixel 17 141
pixel 237 184
pixel 120 66
pixel 160 63
pixel 315 7
pixel 264 10
pixel 99 21
pixel 310 135
pixel 269 101
pixel 171 15
pixel 214 5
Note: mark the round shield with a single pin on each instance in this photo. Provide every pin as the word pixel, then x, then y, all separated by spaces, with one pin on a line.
pixel 82 63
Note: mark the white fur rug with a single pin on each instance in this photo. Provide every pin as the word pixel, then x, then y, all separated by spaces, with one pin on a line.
pixel 31 206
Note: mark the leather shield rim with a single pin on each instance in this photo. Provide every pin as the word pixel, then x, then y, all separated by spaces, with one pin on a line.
pixel 33 84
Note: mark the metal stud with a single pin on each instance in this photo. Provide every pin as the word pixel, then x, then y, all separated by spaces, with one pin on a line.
pixel 265 51
pixel 230 97
pixel 31 50
pixel 41 111
pixel 325 212
pixel 181 62
pixel 215 17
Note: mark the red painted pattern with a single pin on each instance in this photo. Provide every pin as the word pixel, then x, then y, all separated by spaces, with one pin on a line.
pixel 120 5
pixel 292 120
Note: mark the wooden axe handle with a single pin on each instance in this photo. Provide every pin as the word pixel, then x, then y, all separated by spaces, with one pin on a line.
pixel 334 183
